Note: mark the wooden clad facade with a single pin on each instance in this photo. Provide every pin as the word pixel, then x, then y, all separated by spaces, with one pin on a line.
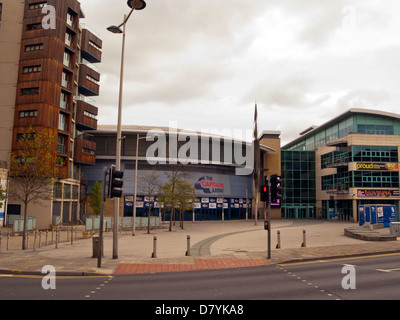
pixel 53 80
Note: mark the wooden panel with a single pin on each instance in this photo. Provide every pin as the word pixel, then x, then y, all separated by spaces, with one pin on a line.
pixel 82 157
pixel 89 52
pixel 85 121
pixel 90 88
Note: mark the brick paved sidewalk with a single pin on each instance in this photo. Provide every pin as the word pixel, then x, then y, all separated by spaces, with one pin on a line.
pixel 198 264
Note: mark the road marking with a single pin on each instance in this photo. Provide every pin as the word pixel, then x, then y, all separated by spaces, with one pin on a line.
pixel 387 270
pixel 338 259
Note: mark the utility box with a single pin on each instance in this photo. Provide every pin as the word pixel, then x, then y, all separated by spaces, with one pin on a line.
pixel 95 242
pixel 395 229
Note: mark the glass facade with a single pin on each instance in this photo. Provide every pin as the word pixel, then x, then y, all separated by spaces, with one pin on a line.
pixel 354 123
pixel 298 172
pixel 345 179
pixel 373 167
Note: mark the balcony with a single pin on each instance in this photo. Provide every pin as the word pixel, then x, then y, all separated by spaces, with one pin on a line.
pixel 91 46
pixel 88 81
pixel 84 151
pixel 86 116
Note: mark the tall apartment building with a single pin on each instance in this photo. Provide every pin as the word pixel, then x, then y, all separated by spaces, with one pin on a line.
pixel 47 80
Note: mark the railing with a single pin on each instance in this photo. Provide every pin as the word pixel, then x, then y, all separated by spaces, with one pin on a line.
pixel 17 222
pixel 93 222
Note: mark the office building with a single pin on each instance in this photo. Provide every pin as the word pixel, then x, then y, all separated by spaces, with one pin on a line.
pixel 351 160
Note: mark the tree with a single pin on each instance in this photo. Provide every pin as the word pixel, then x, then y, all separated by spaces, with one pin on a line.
pixel 185 197
pixel 170 191
pixel 150 186
pixel 95 198
pixel 34 166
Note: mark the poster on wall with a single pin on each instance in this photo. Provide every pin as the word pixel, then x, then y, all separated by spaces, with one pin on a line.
pixel 3 183
pixel 372 166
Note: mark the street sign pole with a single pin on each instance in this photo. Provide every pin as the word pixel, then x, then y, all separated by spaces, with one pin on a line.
pixel 269 216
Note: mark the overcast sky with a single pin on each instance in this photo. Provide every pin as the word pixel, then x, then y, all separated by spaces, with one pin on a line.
pixel 203 63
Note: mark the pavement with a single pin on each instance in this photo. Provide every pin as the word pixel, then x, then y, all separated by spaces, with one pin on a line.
pixel 213 245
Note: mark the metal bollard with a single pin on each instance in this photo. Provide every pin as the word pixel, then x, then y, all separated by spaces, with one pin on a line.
pixel 57 233
pixel 47 234
pixel 40 239
pixel 154 254
pixel 8 241
pixel 278 246
pixel 34 240
pixel 188 246
pixel 1 238
pixel 304 239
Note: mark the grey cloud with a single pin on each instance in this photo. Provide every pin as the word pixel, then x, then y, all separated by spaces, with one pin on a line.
pixel 362 99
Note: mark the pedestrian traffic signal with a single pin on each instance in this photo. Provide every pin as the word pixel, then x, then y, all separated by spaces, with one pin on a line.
pixel 115 183
pixel 276 190
pixel 264 196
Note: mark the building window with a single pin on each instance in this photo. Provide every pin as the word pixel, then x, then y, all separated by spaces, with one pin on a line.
pixel 65 80
pixel 62 122
pixel 64 100
pixel 28 91
pixel 92 79
pixel 25 136
pixel 88 151
pixel 34 47
pixel 28 114
pixel 32 69
pixel 34 26
pixel 67 59
pixel 68 39
pixel 90 115
pixel 70 19
pixel 57 190
pixel 1 10
pixel 37 5
pixel 61 143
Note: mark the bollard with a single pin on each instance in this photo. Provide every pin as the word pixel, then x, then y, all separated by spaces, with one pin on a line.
pixel 40 239
pixel 1 238
pixel 8 241
pixel 47 234
pixel 188 246
pixel 278 246
pixel 34 240
pixel 57 238
pixel 304 239
pixel 154 254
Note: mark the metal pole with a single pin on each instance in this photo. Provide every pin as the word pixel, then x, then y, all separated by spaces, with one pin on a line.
pixel 304 239
pixel 134 192
pixel 154 255
pixel 118 149
pixel 103 194
pixel 269 216
pixel 278 246
pixel 188 246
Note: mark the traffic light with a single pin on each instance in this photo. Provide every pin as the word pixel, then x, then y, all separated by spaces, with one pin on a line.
pixel 264 196
pixel 115 183
pixel 276 190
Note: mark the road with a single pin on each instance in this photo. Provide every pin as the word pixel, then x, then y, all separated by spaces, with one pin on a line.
pixel 375 277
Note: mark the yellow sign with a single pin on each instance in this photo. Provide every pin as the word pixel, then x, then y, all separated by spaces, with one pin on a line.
pixel 378 166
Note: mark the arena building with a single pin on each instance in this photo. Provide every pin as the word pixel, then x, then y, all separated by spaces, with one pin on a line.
pixel 219 167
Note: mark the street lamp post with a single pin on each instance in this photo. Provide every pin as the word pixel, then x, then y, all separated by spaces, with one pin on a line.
pixel 134 5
